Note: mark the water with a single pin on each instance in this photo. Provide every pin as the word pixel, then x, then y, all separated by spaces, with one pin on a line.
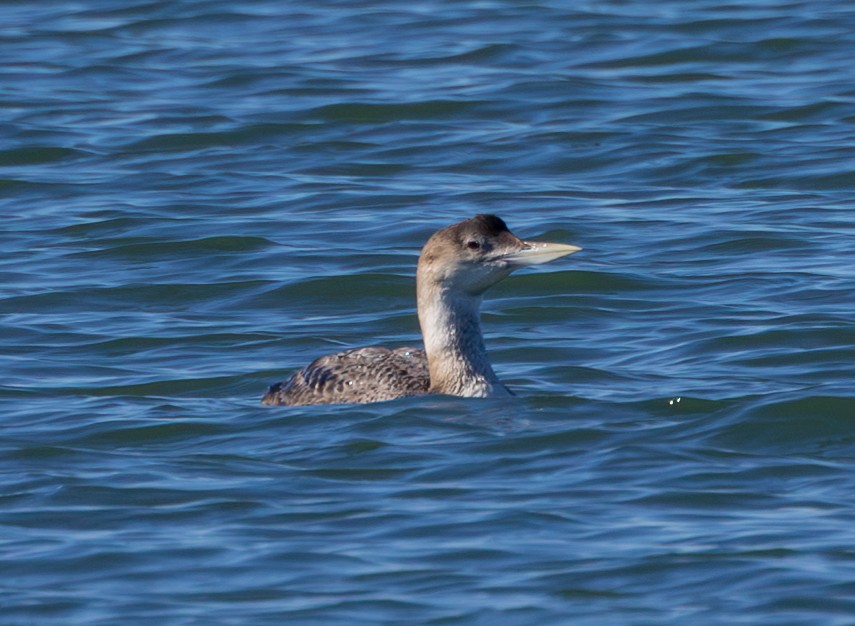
pixel 199 197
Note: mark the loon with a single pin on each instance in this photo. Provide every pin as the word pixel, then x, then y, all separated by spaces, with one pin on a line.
pixel 456 266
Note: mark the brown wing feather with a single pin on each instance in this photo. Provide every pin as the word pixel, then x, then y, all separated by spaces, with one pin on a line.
pixel 361 375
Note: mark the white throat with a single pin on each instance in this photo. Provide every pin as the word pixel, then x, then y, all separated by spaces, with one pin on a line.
pixel 457 358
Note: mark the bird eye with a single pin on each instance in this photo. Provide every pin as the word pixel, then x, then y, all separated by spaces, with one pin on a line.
pixel 473 245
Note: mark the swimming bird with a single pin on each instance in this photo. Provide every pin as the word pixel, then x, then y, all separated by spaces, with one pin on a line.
pixel 456 266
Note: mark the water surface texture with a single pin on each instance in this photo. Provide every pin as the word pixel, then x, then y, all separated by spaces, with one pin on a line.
pixel 199 197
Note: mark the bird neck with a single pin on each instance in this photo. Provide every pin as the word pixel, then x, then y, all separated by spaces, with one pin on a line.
pixel 457 357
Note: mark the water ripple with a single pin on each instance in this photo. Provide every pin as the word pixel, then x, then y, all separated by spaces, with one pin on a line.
pixel 199 198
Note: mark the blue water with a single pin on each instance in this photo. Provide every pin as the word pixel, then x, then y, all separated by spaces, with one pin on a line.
pixel 198 198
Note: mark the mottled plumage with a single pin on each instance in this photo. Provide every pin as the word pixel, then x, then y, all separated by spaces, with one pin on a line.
pixel 456 266
pixel 369 374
